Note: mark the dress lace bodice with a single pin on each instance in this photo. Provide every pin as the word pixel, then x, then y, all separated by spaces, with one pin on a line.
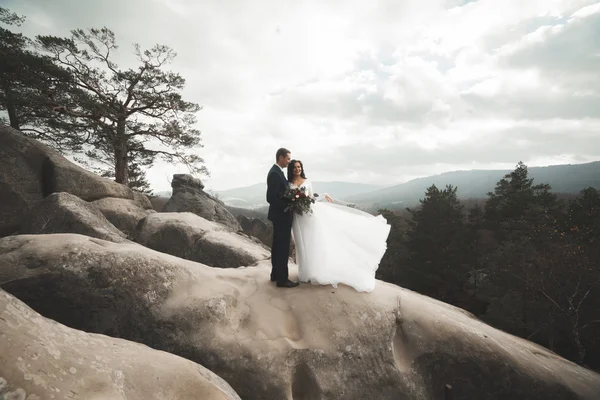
pixel 308 185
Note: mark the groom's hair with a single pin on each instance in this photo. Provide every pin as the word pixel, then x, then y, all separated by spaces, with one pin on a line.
pixel 282 152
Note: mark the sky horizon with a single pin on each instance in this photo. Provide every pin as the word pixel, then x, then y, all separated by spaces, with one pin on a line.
pixel 375 92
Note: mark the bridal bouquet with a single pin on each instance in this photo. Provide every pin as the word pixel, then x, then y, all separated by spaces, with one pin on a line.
pixel 298 200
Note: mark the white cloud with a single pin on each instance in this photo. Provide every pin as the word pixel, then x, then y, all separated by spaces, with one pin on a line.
pixel 378 91
pixel 587 11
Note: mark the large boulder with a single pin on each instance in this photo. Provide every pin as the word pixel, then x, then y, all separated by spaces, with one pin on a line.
pixel 124 214
pixel 257 228
pixel 263 231
pixel 30 171
pixel 310 342
pixel 189 236
pixel 189 196
pixel 142 200
pixel 159 202
pixel 42 359
pixel 66 213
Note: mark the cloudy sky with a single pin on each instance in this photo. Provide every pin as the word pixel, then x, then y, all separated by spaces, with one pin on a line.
pixel 370 91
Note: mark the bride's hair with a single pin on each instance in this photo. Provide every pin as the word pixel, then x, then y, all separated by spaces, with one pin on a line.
pixel 290 171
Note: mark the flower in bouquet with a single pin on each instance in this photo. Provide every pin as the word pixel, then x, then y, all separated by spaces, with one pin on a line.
pixel 298 200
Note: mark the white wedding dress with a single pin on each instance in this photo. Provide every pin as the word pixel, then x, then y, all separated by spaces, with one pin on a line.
pixel 338 244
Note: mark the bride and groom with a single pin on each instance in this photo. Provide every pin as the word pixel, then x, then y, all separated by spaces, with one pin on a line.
pixel 334 244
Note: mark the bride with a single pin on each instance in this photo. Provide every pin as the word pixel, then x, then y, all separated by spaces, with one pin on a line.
pixel 336 243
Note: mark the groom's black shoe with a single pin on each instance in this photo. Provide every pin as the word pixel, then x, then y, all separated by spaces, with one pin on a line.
pixel 287 283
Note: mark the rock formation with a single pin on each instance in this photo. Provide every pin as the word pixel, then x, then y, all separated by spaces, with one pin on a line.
pixel 189 236
pixel 42 359
pixel 66 213
pixel 263 231
pixel 142 200
pixel 312 342
pixel 124 214
pixel 31 171
pixel 159 202
pixel 189 196
pixel 257 228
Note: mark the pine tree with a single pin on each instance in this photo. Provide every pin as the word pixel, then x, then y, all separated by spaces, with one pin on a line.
pixel 392 265
pixel 516 205
pixel 137 177
pixel 474 238
pixel 124 116
pixel 437 246
pixel 30 84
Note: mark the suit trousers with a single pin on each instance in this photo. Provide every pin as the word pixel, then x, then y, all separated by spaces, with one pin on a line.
pixel 280 249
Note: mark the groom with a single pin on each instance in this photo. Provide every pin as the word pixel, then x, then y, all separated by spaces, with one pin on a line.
pixel 281 219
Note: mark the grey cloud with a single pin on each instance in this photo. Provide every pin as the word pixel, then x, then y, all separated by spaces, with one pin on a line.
pixel 509 147
pixel 220 53
pixel 542 105
pixel 364 103
pixel 459 3
pixel 495 40
pixel 574 48
pixel 352 105
pixel 205 56
pixel 567 59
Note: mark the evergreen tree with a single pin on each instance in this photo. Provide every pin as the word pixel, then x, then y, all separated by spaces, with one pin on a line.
pixel 125 116
pixel 515 213
pixel 393 263
pixel 516 206
pixel 30 84
pixel 477 249
pixel 137 177
pixel 584 218
pixel 437 246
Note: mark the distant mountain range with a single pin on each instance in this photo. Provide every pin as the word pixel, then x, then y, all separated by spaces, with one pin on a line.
pixel 570 178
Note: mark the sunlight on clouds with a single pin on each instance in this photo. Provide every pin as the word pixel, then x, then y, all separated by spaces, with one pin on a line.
pixel 176 6
pixel 378 91
pixel 540 35
pixel 516 82
pixel 586 11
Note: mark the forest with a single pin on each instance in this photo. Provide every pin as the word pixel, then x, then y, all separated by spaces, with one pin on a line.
pixel 523 259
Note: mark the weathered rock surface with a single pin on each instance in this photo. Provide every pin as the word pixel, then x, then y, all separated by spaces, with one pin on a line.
pixel 189 196
pixel 310 342
pixel 66 213
pixel 257 228
pixel 42 359
pixel 159 202
pixel 124 214
pixel 30 171
pixel 142 200
pixel 189 236
pixel 262 231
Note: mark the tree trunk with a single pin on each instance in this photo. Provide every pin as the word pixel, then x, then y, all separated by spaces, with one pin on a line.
pixel 10 106
pixel 448 394
pixel 552 333
pixel 580 348
pixel 524 311
pixel 121 159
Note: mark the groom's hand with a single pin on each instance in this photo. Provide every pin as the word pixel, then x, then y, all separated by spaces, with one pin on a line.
pixel 328 198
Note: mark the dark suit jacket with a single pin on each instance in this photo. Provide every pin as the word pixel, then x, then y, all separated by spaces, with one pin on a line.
pixel 277 184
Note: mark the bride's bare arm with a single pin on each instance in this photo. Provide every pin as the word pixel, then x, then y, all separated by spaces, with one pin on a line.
pixel 311 194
